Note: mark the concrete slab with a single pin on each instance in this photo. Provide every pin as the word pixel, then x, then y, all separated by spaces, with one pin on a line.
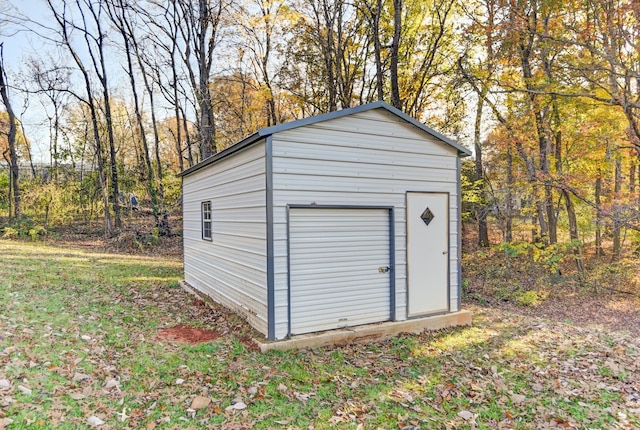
pixel 377 331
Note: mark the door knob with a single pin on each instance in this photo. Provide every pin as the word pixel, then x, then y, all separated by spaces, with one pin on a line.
pixel 384 269
pixel 445 252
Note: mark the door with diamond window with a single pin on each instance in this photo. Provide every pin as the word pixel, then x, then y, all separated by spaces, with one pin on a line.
pixel 427 253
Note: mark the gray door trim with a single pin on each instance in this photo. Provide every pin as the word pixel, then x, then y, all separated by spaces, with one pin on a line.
pixel 392 253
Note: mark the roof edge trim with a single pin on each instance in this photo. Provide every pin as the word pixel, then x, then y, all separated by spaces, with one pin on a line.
pixel 268 131
pixel 247 141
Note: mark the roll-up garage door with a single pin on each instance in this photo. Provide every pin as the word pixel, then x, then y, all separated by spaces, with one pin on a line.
pixel 339 267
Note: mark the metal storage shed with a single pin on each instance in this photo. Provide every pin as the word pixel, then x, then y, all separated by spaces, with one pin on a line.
pixel 338 220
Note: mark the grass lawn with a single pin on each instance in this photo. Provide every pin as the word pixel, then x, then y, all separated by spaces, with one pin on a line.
pixel 79 347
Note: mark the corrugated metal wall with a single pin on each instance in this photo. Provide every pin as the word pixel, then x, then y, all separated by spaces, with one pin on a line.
pixel 335 257
pixel 370 158
pixel 232 268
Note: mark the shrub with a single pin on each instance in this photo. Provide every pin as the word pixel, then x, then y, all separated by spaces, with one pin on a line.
pixel 530 298
pixel 24 228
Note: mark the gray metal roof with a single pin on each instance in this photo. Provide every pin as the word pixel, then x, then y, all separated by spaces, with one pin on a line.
pixel 268 131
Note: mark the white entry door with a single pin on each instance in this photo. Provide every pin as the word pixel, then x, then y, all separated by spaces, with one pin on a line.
pixel 427 253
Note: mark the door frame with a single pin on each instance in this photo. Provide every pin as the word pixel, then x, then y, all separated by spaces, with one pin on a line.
pixel 392 253
pixel 448 236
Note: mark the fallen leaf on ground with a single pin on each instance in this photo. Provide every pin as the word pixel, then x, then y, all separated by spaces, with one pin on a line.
pixel 537 387
pixel 94 421
pixel 78 377
pixel 236 406
pixel 465 415
pixel 77 396
pixel 24 390
pixel 200 402
pixel 518 398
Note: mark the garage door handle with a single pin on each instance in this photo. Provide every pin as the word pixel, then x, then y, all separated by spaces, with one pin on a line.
pixel 384 269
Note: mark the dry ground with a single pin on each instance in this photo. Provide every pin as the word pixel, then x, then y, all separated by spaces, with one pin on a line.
pixel 88 338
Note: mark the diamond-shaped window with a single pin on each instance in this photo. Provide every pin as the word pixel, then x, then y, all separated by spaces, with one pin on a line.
pixel 427 216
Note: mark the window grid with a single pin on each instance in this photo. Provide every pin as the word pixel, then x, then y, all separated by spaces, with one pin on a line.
pixel 206 220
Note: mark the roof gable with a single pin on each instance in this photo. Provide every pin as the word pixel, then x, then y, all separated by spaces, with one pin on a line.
pixel 268 131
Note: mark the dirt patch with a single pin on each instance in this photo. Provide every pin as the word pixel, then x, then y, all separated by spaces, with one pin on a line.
pixel 249 343
pixel 187 334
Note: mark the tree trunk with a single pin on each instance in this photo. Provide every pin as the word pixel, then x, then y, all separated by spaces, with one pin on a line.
pixel 573 234
pixel 598 193
pixel 480 208
pixel 14 169
pixel 10 201
pixel 377 46
pixel 395 48
pixel 617 224
pixel 187 138
pixel 101 71
pixel 508 229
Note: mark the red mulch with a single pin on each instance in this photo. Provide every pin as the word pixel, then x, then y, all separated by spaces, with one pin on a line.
pixel 186 334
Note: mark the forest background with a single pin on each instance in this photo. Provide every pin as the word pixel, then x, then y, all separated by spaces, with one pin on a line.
pixel 130 93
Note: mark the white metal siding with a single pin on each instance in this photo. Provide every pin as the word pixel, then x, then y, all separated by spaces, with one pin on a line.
pixel 335 255
pixel 232 268
pixel 371 158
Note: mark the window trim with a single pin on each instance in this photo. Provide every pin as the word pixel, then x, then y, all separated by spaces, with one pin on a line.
pixel 206 221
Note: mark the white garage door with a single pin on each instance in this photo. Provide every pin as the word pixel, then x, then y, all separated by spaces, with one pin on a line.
pixel 339 268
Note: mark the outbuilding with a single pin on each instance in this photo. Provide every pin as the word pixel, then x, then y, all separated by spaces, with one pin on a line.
pixel 333 221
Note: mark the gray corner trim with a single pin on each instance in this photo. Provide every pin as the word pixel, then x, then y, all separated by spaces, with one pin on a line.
pixel 459 203
pixel 268 131
pixel 271 291
pixel 392 261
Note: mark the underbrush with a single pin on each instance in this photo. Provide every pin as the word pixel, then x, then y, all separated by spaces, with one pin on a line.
pixel 24 228
pixel 138 234
pixel 528 274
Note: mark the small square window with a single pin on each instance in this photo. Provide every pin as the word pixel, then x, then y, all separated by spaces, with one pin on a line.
pixel 206 220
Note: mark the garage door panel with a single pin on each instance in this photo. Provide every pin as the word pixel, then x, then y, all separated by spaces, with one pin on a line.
pixel 321 326
pixel 334 259
pixel 374 303
pixel 334 272
pixel 351 254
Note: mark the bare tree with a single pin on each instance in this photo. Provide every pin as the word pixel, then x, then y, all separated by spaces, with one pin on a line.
pixel 372 15
pixel 119 12
pixel 395 48
pixel 164 32
pixel 65 26
pixel 53 83
pixel 200 31
pixel 259 29
pixel 11 138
